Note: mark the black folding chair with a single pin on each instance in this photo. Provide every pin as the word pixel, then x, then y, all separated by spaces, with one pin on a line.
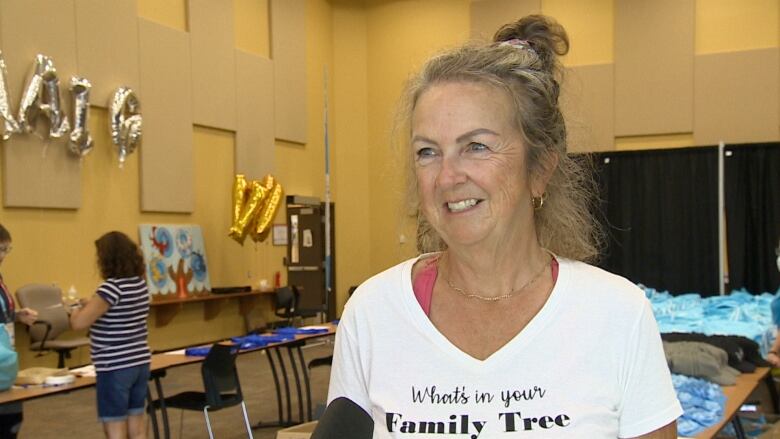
pixel 221 388
pixel 285 303
pixel 328 361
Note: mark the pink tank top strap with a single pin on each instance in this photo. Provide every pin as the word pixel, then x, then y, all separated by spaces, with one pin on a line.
pixel 424 282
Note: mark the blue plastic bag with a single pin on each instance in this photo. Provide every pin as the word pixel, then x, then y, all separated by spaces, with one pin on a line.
pixel 291 331
pixel 9 361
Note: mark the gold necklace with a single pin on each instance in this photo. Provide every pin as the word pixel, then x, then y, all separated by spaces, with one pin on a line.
pixel 475 295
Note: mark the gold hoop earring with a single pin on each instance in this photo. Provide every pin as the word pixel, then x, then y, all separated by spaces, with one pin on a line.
pixel 537 202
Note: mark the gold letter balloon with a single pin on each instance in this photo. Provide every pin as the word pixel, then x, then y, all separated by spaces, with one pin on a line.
pixel 254 206
pixel 267 213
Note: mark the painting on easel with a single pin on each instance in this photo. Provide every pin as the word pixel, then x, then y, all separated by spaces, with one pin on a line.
pixel 175 258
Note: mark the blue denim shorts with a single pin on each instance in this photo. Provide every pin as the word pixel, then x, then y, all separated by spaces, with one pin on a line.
pixel 121 393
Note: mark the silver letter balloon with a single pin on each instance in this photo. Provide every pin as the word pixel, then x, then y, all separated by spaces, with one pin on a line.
pixel 80 142
pixel 126 121
pixel 10 125
pixel 42 95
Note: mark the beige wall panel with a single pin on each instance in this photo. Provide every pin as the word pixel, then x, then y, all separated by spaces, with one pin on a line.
pixel 489 15
pixel 24 36
pixel 255 115
pixel 166 105
pixel 654 50
pixel 588 106
pixel 107 46
pixel 213 63
pixel 40 175
pixel 36 172
pixel 737 97
pixel 288 51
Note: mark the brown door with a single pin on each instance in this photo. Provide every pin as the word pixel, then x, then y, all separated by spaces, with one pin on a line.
pixel 306 253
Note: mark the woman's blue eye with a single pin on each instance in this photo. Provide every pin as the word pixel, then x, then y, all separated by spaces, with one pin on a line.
pixel 478 147
pixel 425 153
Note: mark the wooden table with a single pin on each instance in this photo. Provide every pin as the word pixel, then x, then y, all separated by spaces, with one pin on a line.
pixel 736 395
pixel 161 362
pixel 285 416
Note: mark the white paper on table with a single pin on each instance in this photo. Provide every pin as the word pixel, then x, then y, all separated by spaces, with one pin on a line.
pixel 176 352
pixel 84 371
pixel 315 327
pixel 294 251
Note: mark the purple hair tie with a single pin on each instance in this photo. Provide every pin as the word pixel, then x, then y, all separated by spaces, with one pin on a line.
pixel 519 44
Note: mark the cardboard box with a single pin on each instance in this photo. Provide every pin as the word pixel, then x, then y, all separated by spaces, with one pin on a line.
pixel 760 425
pixel 302 431
pixel 772 432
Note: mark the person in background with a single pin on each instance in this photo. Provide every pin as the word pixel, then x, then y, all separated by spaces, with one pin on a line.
pixel 498 329
pixel 773 356
pixel 11 414
pixel 116 317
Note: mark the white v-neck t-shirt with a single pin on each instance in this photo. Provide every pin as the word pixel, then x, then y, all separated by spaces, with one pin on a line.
pixel 590 365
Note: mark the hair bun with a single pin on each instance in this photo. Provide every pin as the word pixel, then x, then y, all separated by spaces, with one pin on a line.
pixel 545 35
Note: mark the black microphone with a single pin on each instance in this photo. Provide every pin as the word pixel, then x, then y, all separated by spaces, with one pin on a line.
pixel 343 419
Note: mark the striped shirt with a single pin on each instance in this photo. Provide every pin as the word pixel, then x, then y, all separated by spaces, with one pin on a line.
pixel 118 337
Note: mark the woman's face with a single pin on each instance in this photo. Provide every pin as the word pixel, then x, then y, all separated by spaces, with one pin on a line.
pixel 5 248
pixel 470 163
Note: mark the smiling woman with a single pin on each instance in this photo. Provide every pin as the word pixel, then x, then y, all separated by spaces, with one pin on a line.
pixel 565 226
pixel 500 301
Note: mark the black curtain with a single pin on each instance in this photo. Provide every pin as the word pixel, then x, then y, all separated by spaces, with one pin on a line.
pixel 659 209
pixel 752 189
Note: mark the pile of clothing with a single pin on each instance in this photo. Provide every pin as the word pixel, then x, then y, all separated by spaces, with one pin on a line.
pixel 708 342
pixel 702 401
pixel 739 313
pixel 718 358
pixel 700 365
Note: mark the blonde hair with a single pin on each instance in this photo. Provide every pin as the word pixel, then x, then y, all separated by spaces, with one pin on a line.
pixel 522 61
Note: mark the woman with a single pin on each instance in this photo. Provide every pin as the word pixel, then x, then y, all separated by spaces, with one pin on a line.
pixel 500 331
pixel 116 317
pixel 773 356
pixel 10 414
